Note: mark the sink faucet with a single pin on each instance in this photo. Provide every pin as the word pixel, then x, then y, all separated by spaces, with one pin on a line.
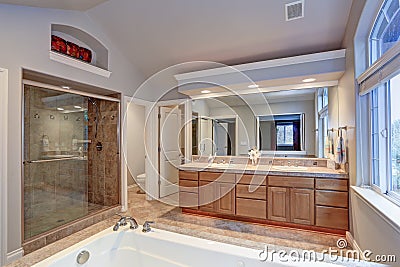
pixel 146 226
pixel 211 158
pixel 124 221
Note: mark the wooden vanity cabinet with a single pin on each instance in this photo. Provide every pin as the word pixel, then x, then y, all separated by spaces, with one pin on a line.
pixel 321 203
pixel 291 199
pixel 332 201
pixel 217 192
pixel 188 189
pixel 278 204
pixel 251 196
pixel 302 206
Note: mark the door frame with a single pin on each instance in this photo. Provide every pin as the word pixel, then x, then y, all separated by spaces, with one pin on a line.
pixel 3 163
pixel 236 117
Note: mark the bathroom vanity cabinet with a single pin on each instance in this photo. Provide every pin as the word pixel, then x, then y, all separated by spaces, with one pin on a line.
pixel 317 203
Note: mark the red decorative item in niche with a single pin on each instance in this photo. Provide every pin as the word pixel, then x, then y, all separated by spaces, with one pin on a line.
pixel 72 50
pixel 58 44
pixel 85 54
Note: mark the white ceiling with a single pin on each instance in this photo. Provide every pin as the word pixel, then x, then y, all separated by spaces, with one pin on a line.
pixel 155 34
pixel 81 5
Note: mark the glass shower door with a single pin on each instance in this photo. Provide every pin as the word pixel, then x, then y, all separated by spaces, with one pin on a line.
pixel 55 159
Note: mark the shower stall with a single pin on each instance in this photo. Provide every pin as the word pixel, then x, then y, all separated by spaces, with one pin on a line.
pixel 71 157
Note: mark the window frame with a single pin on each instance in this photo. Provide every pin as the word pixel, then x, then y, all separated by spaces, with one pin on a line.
pixel 382 116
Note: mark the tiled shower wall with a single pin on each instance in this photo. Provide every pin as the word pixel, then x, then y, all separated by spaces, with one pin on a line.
pixel 58 192
pixel 104 173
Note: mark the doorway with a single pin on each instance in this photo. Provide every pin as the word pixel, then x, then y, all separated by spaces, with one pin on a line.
pixel 224 136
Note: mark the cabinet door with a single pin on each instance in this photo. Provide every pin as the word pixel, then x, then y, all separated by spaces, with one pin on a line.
pixel 302 206
pixel 278 204
pixel 208 196
pixel 226 198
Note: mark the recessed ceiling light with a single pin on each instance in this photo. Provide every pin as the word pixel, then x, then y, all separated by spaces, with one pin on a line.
pixel 77 107
pixel 253 86
pixel 65 87
pixel 60 109
pixel 205 91
pixel 308 80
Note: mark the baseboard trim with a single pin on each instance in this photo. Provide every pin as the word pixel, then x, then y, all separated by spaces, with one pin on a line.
pixel 14 255
pixel 350 240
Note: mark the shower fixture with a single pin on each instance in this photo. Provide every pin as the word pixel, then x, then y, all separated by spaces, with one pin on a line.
pixel 97 117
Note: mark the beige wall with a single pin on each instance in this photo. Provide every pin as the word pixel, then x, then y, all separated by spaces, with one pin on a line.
pixel 25 43
pixel 135 140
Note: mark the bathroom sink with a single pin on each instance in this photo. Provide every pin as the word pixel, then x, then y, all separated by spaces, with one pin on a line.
pixel 289 168
pixel 222 165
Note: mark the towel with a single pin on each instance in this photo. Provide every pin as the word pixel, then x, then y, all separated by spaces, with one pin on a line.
pixel 340 155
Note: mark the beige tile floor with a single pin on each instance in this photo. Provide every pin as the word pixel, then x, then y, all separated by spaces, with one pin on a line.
pixel 170 218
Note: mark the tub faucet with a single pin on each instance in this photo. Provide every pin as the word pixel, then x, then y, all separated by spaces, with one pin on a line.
pixel 124 221
pixel 146 226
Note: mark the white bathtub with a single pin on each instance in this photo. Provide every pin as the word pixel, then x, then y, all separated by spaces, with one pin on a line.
pixel 159 248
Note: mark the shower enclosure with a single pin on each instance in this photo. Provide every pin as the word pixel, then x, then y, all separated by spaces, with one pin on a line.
pixel 71 157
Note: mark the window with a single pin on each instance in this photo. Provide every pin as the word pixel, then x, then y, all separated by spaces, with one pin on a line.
pixel 284 134
pixel 281 132
pixel 322 103
pixel 386 30
pixel 383 90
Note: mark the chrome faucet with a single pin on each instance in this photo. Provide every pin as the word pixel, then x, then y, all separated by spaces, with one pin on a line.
pixel 146 226
pixel 211 158
pixel 124 221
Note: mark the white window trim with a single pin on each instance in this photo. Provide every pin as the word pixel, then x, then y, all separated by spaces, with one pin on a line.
pixel 381 71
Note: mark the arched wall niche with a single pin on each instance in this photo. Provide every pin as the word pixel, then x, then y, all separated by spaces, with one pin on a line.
pixel 84 39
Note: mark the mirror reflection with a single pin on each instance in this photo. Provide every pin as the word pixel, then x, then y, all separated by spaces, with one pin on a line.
pixel 290 123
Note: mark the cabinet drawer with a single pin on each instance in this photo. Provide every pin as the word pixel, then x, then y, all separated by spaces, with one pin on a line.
pixel 217 176
pixel 189 186
pixel 188 175
pixel 258 192
pixel 337 218
pixel 286 181
pixel 331 184
pixel 188 200
pixel 331 198
pixel 251 208
pixel 251 179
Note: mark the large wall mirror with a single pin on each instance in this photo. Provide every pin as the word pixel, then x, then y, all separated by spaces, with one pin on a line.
pixel 286 123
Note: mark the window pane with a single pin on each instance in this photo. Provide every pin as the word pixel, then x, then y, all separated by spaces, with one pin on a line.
pixel 390 7
pixel 395 132
pixel 289 135
pixel 375 172
pixel 379 27
pixel 375 137
pixel 392 34
pixel 280 134
pixel 325 97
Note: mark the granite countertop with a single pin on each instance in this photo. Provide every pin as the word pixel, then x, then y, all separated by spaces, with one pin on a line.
pixel 301 171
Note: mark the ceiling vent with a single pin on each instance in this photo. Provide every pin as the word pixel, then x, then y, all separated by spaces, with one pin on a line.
pixel 294 10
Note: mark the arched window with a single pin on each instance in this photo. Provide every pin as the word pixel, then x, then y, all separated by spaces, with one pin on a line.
pixel 386 30
pixel 380 88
